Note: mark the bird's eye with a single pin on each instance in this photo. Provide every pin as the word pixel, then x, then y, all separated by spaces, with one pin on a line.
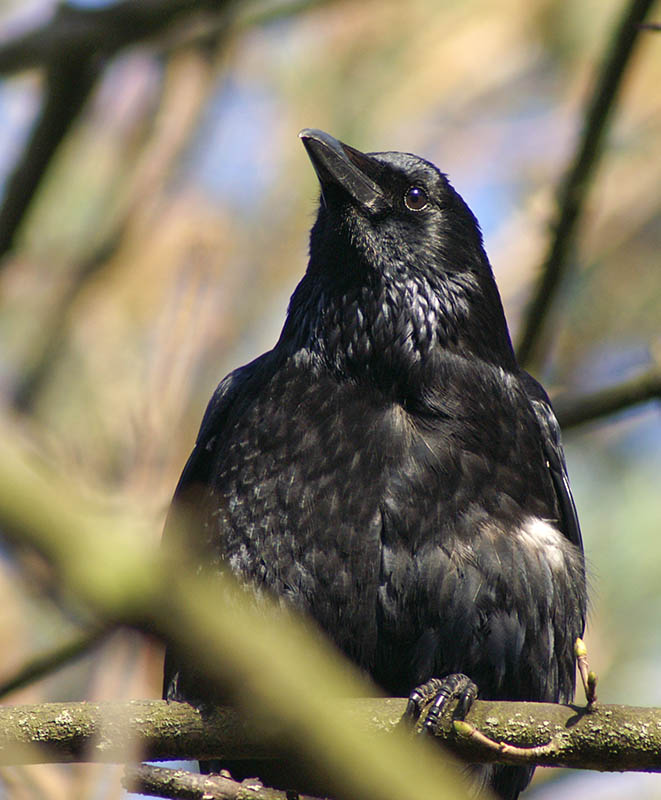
pixel 415 198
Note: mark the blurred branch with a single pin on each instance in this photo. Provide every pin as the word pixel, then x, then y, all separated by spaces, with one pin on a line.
pixel 71 46
pixel 54 332
pixel 47 663
pixel 573 190
pixel 262 659
pixel 68 84
pixel 181 101
pixel 58 114
pixel 606 738
pixel 572 412
pixel 183 785
pixel 291 706
pixel 87 30
pixel 278 12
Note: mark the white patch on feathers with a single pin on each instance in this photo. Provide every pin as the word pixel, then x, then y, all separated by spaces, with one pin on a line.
pixel 541 535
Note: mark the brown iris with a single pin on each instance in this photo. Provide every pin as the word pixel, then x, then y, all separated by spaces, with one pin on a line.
pixel 415 198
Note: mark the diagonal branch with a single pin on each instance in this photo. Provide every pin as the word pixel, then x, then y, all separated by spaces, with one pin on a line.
pixel 573 190
pixel 270 662
pixel 149 171
pixel 71 47
pixel 97 30
pixel 575 411
pixel 69 82
pixel 47 663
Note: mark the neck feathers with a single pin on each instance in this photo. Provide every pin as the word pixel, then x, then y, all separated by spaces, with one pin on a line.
pixel 392 332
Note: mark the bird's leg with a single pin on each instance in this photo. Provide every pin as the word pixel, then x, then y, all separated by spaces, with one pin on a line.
pixel 437 697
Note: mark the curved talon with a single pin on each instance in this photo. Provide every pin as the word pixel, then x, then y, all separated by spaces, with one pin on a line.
pixel 466 700
pixel 420 697
pixel 436 694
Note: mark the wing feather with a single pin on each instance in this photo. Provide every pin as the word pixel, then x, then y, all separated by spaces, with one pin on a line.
pixel 193 486
pixel 555 458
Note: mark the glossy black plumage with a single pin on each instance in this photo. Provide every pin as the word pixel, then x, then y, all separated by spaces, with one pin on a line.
pixel 387 467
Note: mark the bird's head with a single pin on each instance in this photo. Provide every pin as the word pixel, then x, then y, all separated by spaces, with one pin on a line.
pixel 389 211
pixel 397 256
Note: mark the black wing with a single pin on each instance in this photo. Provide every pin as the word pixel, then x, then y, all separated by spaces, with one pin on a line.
pixel 555 458
pixel 193 486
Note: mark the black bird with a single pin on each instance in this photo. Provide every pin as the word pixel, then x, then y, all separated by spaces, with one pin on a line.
pixel 387 467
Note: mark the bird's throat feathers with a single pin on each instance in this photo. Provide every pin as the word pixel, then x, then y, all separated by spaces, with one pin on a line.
pixel 383 326
pixel 388 289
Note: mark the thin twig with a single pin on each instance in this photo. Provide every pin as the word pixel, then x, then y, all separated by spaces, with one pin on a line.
pixel 47 663
pixel 574 188
pixel 69 82
pixel 589 407
pixel 71 47
pixel 53 339
pixel 509 752
pixel 88 30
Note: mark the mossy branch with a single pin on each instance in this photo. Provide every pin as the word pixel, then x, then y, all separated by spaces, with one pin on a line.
pixel 572 412
pixel 606 738
pixel 182 785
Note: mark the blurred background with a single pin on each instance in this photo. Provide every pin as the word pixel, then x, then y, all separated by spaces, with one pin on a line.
pixel 169 228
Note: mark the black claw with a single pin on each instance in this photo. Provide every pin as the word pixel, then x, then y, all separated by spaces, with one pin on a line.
pixel 437 695
pixel 420 697
pixel 466 700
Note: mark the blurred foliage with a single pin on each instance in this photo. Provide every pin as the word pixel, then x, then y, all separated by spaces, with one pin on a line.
pixel 171 229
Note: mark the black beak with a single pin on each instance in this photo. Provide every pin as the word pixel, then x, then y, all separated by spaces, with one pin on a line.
pixel 335 162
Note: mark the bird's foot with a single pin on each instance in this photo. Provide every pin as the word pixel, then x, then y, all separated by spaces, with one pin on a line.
pixel 438 698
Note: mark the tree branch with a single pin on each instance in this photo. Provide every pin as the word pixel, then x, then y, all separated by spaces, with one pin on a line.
pixel 77 29
pixel 607 737
pixel 68 84
pixel 265 660
pixel 72 47
pixel 182 785
pixel 572 412
pixel 573 190
pixel 173 121
pixel 47 663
